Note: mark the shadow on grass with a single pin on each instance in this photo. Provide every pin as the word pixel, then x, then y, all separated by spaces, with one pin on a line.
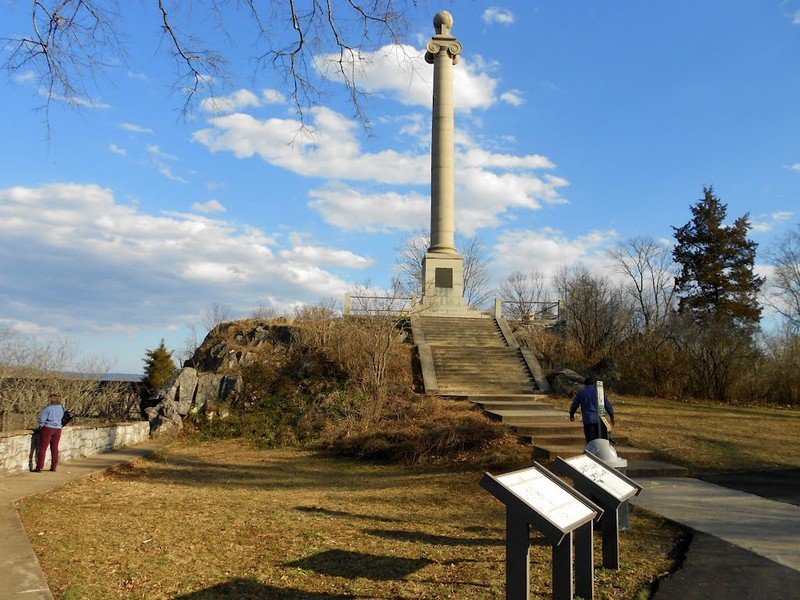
pixel 273 472
pixel 347 515
pixel 247 589
pixel 352 565
pixel 434 540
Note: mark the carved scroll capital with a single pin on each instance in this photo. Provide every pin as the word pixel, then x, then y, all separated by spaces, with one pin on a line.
pixel 440 43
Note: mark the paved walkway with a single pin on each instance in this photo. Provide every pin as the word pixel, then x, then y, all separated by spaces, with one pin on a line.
pixel 747 546
pixel 21 576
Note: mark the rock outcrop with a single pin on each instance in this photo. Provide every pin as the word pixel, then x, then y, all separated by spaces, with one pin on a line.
pixel 213 374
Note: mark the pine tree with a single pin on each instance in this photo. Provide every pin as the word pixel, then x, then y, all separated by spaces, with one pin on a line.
pixel 716 282
pixel 159 367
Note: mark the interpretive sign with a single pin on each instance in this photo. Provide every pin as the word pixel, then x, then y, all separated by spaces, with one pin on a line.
pixel 606 486
pixel 602 475
pixel 534 497
pixel 549 499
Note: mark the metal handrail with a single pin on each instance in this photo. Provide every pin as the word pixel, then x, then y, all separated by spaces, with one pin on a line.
pixel 356 304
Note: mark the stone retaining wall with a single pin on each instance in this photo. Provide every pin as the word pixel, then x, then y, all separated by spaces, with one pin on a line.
pixel 17 449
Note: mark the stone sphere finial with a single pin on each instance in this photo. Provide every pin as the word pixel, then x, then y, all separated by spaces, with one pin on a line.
pixel 443 23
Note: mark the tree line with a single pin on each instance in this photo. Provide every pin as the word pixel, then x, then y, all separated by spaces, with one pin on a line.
pixel 680 321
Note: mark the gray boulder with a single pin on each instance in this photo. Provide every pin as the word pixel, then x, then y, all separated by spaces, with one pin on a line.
pixel 181 390
pixel 565 382
pixel 164 419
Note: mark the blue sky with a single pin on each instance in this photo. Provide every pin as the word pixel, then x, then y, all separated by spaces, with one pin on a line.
pixel 579 125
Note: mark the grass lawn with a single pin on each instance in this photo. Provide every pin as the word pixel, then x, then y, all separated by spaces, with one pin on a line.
pixel 710 438
pixel 226 520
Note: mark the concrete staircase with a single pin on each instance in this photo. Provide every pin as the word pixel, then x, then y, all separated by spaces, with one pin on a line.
pixel 552 434
pixel 478 358
pixel 472 356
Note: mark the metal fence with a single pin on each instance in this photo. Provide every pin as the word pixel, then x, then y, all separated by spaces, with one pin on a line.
pixel 359 305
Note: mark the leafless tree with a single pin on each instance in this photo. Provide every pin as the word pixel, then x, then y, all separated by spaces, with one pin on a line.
pixel 650 272
pixel 597 316
pixel 216 314
pixel 650 359
pixel 30 370
pixel 523 293
pixel 476 270
pixel 69 43
pixel 785 281
pixel 408 260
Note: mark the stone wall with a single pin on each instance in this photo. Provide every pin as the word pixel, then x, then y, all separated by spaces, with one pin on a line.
pixel 17 449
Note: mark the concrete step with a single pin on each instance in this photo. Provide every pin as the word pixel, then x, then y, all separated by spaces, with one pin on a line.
pixel 532 417
pixel 518 406
pixel 565 451
pixel 466 389
pixel 557 427
pixel 494 375
pixel 569 439
pixel 487 398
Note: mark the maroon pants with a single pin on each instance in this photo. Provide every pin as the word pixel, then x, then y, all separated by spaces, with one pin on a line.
pixel 48 436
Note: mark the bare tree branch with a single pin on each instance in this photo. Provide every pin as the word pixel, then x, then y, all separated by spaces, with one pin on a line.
pixel 72 41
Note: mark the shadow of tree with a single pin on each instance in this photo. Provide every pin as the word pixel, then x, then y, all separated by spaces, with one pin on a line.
pixel 352 565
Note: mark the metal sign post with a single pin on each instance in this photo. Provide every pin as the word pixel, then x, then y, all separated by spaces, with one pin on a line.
pixel 609 488
pixel 601 411
pixel 536 498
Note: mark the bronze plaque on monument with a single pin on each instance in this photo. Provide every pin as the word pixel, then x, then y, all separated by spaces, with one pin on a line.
pixel 444 277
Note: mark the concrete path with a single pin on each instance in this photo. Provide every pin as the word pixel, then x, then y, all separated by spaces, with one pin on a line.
pixel 768 528
pixel 21 576
pixel 744 546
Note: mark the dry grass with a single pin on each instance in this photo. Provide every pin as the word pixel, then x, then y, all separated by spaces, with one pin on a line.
pixel 225 520
pixel 710 438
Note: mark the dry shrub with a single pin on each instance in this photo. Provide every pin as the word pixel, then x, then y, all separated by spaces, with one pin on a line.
pixel 430 430
pixel 774 379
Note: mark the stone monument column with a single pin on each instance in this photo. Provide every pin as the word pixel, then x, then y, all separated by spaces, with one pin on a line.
pixel 443 267
pixel 443 51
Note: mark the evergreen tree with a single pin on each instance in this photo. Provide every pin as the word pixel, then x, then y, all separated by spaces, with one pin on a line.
pixel 158 368
pixel 716 283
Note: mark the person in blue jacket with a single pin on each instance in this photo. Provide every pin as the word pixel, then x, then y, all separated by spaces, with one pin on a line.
pixel 50 432
pixel 586 399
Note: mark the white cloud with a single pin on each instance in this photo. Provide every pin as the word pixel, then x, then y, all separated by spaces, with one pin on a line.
pixel 165 170
pixel 321 255
pixel 117 150
pixel 78 101
pixel 330 150
pixel 766 222
pixel 353 210
pixel 400 72
pixel 92 264
pixel 26 327
pixel 133 128
pixel 159 153
pixel 490 184
pixel 211 206
pixel 25 77
pixel 273 97
pixel 548 250
pixel 794 167
pixel 227 104
pixel 513 97
pixel 496 14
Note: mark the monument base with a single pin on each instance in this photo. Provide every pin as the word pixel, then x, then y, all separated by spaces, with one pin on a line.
pixel 443 274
